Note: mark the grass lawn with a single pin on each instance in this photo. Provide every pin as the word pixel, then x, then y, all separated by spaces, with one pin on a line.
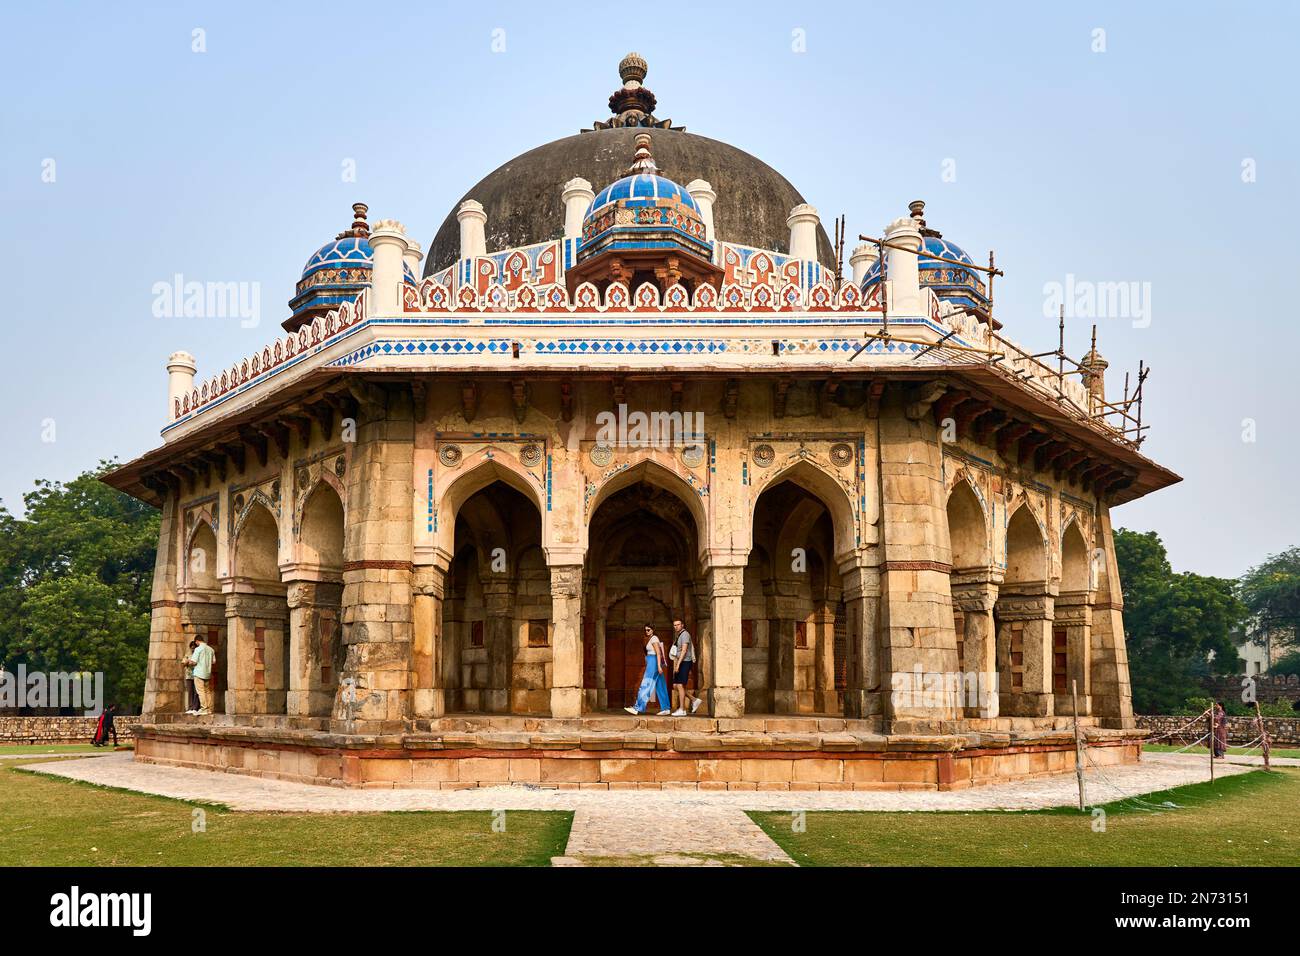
pixel 1251 819
pixel 46 821
pixel 1254 752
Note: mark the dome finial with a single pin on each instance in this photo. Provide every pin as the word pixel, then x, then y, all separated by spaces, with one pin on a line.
pixel 632 69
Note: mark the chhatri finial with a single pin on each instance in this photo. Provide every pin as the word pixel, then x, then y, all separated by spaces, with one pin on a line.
pixel 643 161
pixel 360 228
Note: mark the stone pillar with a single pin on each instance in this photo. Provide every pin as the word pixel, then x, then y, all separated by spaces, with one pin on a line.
pixel 1111 693
pixel 164 685
pixel 315 646
pixel 499 641
pixel 374 687
pixel 825 697
pixel 257 660
pixel 722 661
pixel 1024 651
pixel 916 611
pixel 783 618
pixel 862 693
pixel 429 663
pixel 566 640
pixel 975 594
pixel 1072 613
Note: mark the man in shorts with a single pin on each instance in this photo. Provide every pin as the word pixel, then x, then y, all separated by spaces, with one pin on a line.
pixel 684 657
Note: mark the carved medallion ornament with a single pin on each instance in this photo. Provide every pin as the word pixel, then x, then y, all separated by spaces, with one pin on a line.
pixel 530 455
pixel 275 490
pixel 239 503
pixel 340 466
pixel 304 477
pixel 693 456
pixel 601 455
pixel 450 455
pixel 841 454
pixel 764 455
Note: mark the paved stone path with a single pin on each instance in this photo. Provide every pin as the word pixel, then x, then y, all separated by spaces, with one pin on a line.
pixel 240 792
pixel 702 836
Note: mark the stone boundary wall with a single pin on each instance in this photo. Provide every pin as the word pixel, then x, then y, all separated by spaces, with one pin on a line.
pixel 1269 688
pixel 1282 731
pixel 58 730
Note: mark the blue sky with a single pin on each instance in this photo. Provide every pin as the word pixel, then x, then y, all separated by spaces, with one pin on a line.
pixel 226 165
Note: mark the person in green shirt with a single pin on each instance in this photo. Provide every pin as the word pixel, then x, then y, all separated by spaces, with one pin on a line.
pixel 201 659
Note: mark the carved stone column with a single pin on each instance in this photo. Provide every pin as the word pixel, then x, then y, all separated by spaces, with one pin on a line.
pixel 974 595
pixel 315 646
pixel 726 588
pixel 862 692
pixel 826 698
pixel 782 625
pixel 1073 616
pixel 429 664
pixel 374 689
pixel 1024 653
pixel 1108 671
pixel 164 685
pixel 257 660
pixel 499 640
pixel 566 640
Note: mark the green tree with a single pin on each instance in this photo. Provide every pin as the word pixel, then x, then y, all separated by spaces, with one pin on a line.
pixel 76 572
pixel 1272 593
pixel 1172 624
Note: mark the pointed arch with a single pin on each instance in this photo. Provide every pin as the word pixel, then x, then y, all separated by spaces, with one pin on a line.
pixel 968 527
pixel 823 486
pixel 1026 547
pixel 653 472
pixel 478 472
pixel 256 543
pixel 320 528
pixel 1076 559
pixel 200 556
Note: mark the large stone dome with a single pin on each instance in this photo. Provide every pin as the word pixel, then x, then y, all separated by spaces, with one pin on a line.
pixel 522 197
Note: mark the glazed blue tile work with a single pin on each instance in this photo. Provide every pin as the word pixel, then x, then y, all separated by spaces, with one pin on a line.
pixel 336 273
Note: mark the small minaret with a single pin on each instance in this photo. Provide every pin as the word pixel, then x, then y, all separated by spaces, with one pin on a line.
pixel 904 281
pixel 411 257
pixel 180 379
pixel 1093 374
pixel 473 229
pixel 860 261
pixel 577 198
pixel 388 243
pixel 704 196
pixel 803 223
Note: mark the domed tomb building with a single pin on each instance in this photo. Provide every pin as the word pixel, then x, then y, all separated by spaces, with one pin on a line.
pixel 629 385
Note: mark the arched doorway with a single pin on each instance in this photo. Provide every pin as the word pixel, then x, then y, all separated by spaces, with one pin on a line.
pixel 1072 626
pixel 1024 617
pixel 315 595
pixel 642 568
pixel 203 609
pixel 791 605
pixel 257 618
pixel 497 606
pixel 974 587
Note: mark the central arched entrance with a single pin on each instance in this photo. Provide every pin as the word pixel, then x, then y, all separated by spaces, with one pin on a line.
pixel 793 641
pixel 642 568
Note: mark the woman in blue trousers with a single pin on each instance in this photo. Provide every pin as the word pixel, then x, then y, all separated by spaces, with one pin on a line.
pixel 655 676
